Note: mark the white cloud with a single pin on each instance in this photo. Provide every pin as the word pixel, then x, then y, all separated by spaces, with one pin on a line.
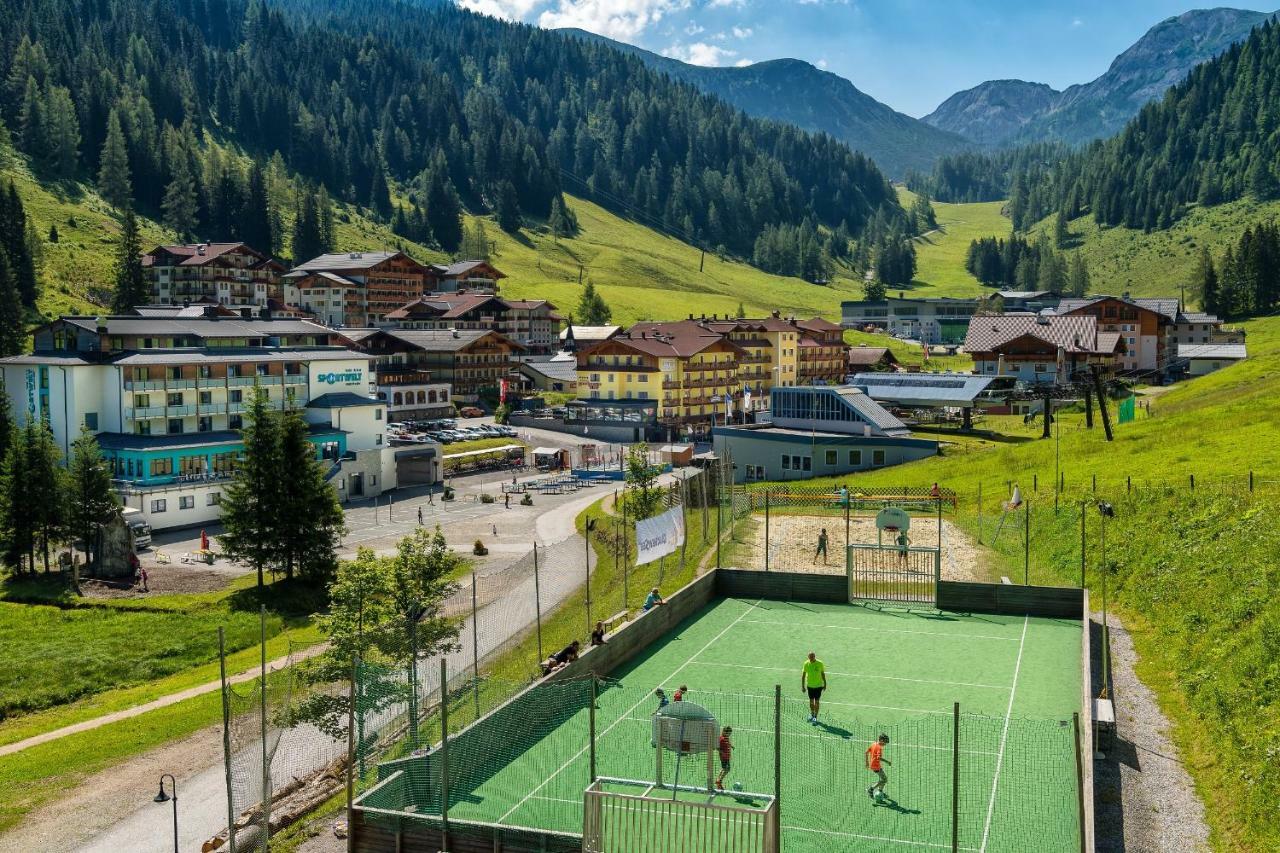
pixel 512 10
pixel 1077 23
pixel 712 4
pixel 742 32
pixel 693 29
pixel 700 53
pixel 744 62
pixel 620 19
pixel 822 63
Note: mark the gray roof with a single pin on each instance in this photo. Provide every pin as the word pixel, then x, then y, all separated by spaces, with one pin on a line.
pixel 1200 317
pixel 345 261
pixel 199 327
pixel 1160 305
pixel 928 389
pixel 590 333
pixel 874 413
pixel 219 355
pixel 443 340
pixel 53 358
pixel 343 400
pixel 565 371
pixel 1073 333
pixel 1223 352
pixel 131 441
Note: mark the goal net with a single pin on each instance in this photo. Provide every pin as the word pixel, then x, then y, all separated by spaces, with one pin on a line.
pixel 628 816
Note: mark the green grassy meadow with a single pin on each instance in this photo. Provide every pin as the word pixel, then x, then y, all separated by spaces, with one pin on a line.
pixel 940 254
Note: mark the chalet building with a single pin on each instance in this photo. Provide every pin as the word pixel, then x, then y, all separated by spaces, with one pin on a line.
pixel 1041 348
pixel 532 323
pixel 1145 325
pixel 863 359
pixel 470 362
pixel 354 289
pixel 216 273
pixel 821 351
pixel 573 337
pixel 473 276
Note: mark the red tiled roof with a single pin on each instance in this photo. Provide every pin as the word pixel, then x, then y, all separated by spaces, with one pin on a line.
pixel 199 254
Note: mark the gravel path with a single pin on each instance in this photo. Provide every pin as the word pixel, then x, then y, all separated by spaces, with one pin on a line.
pixel 1146 802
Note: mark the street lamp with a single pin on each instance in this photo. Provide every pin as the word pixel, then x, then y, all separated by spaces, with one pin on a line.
pixel 163 797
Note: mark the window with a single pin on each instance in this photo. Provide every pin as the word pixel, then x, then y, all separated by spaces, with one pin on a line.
pixel 261 369
pixel 644 377
pixel 141 401
pixel 174 372
pixel 235 396
pixel 187 502
pixel 377 439
pixel 142 427
pixel 175 399
pixel 786 462
pixel 855 457
pixel 161 467
pixel 235 422
pixel 206 398
pixel 234 370
pixel 807 462
pixel 205 371
pixel 831 457
pixel 224 463
pixel 91 421
pixel 175 426
pixel 159 505
pixel 204 424
pixel 877 457
pixel 377 414
pixel 213 499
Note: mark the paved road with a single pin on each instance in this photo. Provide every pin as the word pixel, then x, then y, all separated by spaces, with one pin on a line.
pixel 202 796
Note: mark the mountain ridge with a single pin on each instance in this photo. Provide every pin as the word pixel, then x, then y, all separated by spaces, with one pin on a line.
pixel 768 89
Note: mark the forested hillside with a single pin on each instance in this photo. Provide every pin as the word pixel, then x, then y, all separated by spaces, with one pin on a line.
pixel 386 104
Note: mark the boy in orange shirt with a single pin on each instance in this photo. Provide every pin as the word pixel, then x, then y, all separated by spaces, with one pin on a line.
pixel 875 757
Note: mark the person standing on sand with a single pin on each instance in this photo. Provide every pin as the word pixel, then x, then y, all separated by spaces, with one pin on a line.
pixel 821 550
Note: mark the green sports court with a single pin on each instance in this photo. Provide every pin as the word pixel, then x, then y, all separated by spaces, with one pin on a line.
pixel 1012 785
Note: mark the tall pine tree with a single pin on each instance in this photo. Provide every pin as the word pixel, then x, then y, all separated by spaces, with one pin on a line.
pixel 114 183
pixel 251 500
pixel 308 519
pixel 131 286
pixel 91 498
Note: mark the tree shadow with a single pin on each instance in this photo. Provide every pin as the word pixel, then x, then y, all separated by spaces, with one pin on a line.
pixel 293 599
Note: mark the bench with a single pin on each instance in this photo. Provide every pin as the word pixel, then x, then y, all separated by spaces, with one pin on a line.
pixel 163 557
pixel 613 621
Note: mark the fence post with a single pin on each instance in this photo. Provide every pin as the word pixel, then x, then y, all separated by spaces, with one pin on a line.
pixel 226 741
pixel 955 778
pixel 777 746
pixel 1128 484
pixel 719 522
pixel 847 501
pixel 537 602
pixel 1035 483
pixel 266 757
pixel 1075 723
pixel 591 724
pixel 1095 482
pixel 1083 504
pixel 475 644
pixel 1193 482
pixel 1251 481
pixel 351 756
pixel 979 512
pixel 766 530
pixel 1026 544
pixel 444 752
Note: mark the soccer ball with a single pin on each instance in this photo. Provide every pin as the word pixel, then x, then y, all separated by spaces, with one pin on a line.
pixel 737 786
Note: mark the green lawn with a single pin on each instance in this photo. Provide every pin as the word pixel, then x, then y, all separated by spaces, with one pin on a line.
pixel 1122 260
pixel 940 254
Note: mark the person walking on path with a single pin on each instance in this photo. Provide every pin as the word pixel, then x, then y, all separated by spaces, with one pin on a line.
pixel 506 501
pixel 813 680
pixel 419 516
pixel 875 758
pixel 822 547
pixel 726 756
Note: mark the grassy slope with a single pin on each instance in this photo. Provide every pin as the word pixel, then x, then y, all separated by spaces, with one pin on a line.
pixel 940 254
pixel 1195 571
pixel 1159 263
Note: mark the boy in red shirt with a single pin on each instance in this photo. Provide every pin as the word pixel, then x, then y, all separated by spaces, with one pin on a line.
pixel 726 756
pixel 875 757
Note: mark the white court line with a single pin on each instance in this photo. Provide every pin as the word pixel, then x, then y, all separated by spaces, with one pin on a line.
pixel 995 783
pixel 861 675
pixel 626 713
pixel 873 837
pixel 802 625
pixel 896 744
pixel 559 800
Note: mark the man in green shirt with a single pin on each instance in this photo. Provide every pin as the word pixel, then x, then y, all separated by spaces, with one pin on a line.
pixel 813 680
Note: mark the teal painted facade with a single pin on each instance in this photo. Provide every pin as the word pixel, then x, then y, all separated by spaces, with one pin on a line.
pixel 209 461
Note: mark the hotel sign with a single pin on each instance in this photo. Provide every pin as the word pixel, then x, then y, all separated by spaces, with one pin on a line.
pixel 351 376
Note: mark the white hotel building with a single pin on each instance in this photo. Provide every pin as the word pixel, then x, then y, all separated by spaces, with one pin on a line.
pixel 166 393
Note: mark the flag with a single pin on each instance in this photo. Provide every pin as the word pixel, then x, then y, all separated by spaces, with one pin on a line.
pixel 746 400
pixel 925 347
pixel 502 390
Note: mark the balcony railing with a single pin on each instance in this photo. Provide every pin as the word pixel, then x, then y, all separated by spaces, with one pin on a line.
pixel 144 385
pixel 144 412
pixel 295 379
pixel 242 381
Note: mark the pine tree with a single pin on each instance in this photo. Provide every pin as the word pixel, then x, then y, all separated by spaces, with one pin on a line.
pixel 254 225
pixel 380 193
pixel 475 241
pixel 742 311
pixel 62 132
pixel 13 333
pixel 251 502
pixel 17 503
pixel 91 498
pixel 1078 279
pixel 592 310
pixel 873 290
pixel 1206 283
pixel 309 520
pixel 114 183
pixel 444 212
pixel 1061 236
pixel 181 204
pixel 46 480
pixel 131 286
pixel 508 209
pixel 307 242
pixel 15 243
pixel 556 222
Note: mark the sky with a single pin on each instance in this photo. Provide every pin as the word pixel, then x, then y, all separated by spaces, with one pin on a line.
pixel 910 54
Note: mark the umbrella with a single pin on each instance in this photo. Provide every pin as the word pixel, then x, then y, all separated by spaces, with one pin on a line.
pixel 204 541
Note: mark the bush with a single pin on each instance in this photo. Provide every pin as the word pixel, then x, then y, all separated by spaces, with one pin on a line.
pixel 478 549
pixel 487 498
pixel 527 500
pixel 448 493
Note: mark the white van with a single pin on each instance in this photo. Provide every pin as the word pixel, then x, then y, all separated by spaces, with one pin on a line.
pixel 138 525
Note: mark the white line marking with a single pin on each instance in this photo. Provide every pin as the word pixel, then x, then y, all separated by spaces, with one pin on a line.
pixel 872 837
pixel 626 713
pixel 861 675
pixel 995 783
pixel 896 745
pixel 884 630
pixel 559 800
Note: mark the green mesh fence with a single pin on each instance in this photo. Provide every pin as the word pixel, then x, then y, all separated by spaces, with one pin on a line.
pixel 525 766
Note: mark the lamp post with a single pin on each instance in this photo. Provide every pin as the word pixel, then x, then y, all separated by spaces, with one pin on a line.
pixel 1106 510
pixel 163 797
pixel 590 526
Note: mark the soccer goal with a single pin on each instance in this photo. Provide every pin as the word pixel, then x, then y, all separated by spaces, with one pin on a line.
pixel 630 816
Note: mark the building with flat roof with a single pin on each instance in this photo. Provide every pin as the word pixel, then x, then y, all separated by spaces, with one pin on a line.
pixel 1206 358
pixel 934 320
pixel 167 396
pixel 818 432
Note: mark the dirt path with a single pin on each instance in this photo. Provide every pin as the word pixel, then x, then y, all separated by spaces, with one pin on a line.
pixel 793 539
pixel 1145 798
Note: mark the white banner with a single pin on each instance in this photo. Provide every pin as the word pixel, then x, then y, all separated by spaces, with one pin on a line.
pixel 659 536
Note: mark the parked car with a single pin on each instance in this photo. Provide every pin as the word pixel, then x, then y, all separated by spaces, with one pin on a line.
pixel 471 412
